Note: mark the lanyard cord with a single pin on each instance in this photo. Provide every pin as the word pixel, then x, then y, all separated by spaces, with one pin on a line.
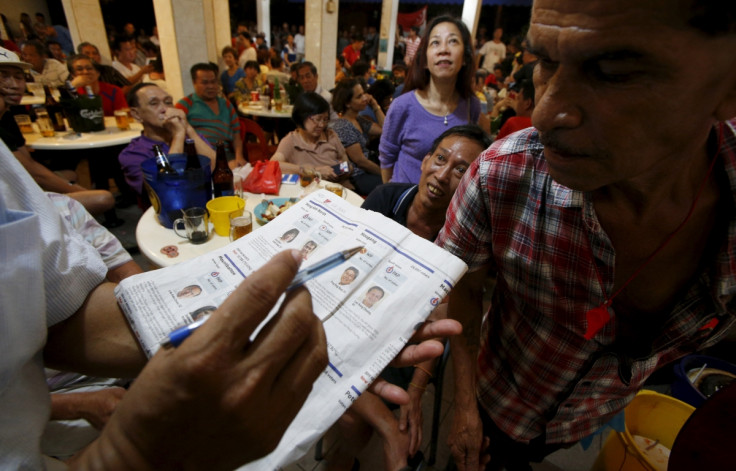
pixel 599 316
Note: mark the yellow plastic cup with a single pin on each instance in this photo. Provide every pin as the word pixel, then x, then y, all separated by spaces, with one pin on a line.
pixel 222 209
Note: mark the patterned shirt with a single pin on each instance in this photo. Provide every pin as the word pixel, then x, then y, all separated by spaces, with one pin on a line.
pixel 215 127
pixel 536 372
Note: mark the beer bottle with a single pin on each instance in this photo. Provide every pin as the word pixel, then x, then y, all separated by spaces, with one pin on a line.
pixel 192 157
pixel 70 88
pixel 162 163
pixel 55 111
pixel 222 176
pixel 90 93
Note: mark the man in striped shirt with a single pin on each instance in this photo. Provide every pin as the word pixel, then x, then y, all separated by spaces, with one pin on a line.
pixel 611 225
pixel 210 114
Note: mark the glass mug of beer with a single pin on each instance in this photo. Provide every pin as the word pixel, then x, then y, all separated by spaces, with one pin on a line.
pixel 240 226
pixel 307 176
pixel 121 119
pixel 44 124
pixel 336 188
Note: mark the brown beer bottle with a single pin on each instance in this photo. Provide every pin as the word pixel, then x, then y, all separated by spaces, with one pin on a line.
pixel 56 113
pixel 192 158
pixel 162 163
pixel 222 176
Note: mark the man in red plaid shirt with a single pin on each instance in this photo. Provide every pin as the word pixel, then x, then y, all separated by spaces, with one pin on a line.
pixel 610 223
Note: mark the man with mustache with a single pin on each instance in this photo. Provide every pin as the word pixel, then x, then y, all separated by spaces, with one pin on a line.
pixel 610 223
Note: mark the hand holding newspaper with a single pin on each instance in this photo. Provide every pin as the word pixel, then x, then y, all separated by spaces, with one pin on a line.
pixel 369 306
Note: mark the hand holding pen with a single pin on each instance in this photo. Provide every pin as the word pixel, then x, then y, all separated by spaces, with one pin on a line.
pixel 176 337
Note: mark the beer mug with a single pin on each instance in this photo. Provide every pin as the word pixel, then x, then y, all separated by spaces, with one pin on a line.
pixel 44 124
pixel 121 119
pixel 240 226
pixel 196 224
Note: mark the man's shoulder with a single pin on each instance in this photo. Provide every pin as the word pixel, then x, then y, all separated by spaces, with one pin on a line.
pixel 515 155
pixel 140 145
pixel 186 102
pixel 389 198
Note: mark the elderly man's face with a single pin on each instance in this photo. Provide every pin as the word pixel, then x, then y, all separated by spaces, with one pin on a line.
pixel 205 85
pixel 153 102
pixel 624 90
pixel 307 79
pixel 12 84
pixel 92 53
pixel 32 56
pixel 443 169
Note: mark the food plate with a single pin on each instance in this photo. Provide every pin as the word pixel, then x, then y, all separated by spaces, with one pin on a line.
pixel 261 208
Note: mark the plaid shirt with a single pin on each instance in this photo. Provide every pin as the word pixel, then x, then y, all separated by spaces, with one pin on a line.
pixel 536 373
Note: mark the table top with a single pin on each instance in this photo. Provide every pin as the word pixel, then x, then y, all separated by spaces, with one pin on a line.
pixel 244 108
pixel 32 100
pixel 111 136
pixel 152 237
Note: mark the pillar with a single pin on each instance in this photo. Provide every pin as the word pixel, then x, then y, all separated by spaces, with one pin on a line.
pixel 471 15
pixel 387 34
pixel 190 31
pixel 84 18
pixel 263 14
pixel 320 29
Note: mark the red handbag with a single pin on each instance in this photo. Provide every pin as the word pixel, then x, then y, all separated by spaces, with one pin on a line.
pixel 264 178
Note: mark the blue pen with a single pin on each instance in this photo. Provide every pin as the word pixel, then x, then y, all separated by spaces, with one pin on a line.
pixel 176 337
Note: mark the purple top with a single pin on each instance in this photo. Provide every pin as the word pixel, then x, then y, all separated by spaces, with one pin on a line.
pixel 409 130
pixel 140 149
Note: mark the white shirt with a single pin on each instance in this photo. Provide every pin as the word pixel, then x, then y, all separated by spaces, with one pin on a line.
pixel 327 96
pixel 127 73
pixel 300 42
pixel 247 55
pixel 54 73
pixel 492 53
pixel 47 273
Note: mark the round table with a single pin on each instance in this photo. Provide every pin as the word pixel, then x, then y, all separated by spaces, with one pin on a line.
pixel 70 140
pixel 152 236
pixel 285 112
pixel 32 100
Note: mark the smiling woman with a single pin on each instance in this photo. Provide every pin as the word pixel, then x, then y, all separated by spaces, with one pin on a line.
pixel 439 86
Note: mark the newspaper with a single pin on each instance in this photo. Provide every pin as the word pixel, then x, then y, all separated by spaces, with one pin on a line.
pixel 369 306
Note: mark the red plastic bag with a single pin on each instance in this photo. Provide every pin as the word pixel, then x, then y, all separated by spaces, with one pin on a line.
pixel 264 178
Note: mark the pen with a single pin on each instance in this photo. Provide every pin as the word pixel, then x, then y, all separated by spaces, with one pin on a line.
pixel 176 337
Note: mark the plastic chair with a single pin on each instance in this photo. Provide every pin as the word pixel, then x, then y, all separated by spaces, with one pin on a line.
pixel 259 150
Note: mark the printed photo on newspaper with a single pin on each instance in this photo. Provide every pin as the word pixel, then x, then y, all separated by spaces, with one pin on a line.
pixel 369 306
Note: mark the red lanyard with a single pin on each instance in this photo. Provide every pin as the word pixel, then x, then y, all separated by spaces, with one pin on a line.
pixel 599 316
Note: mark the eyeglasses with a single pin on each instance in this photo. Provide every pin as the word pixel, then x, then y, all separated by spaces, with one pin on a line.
pixel 82 69
pixel 321 121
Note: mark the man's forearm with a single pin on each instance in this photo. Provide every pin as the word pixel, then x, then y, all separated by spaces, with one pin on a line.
pixel 45 178
pixel 96 340
pixel 466 306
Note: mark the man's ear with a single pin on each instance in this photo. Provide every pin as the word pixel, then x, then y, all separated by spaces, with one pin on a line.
pixel 425 161
pixel 135 115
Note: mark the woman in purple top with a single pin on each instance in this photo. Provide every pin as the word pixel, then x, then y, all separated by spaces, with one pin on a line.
pixel 440 96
